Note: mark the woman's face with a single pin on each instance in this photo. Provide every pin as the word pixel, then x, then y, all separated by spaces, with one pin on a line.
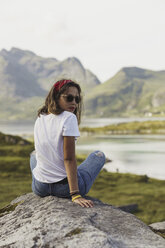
pixel 63 100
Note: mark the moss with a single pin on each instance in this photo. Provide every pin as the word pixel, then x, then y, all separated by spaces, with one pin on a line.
pixel 9 208
pixel 161 233
pixel 74 232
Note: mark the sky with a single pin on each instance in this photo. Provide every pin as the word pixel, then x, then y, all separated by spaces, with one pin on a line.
pixel 105 35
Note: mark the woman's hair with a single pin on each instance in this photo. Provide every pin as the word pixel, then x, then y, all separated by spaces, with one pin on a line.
pixel 52 101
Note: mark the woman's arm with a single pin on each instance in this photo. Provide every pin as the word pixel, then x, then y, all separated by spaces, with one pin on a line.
pixel 71 169
pixel 70 162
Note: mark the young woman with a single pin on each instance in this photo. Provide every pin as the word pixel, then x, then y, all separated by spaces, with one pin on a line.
pixel 53 163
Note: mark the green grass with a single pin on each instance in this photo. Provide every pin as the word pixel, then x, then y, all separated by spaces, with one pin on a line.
pixel 16 150
pixel 122 189
pixel 12 186
pixel 113 188
pixel 15 175
pixel 146 127
pixel 131 92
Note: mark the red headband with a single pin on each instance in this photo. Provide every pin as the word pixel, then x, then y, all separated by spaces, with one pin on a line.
pixel 60 83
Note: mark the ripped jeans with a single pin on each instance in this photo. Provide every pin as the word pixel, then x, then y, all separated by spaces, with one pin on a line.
pixel 86 173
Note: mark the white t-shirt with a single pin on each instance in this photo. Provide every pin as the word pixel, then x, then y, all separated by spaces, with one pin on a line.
pixel 48 137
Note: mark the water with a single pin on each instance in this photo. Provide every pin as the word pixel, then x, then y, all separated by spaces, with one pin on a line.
pixel 137 154
pixel 100 122
pixel 17 128
pixel 22 127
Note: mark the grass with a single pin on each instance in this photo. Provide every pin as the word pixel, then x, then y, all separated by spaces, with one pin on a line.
pixel 113 188
pixel 146 127
pixel 12 186
pixel 15 177
pixel 122 189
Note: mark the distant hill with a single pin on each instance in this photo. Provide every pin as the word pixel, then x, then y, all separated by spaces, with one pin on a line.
pixel 6 139
pixel 25 79
pixel 132 91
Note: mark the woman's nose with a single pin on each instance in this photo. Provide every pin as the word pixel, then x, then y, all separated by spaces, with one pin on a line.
pixel 74 100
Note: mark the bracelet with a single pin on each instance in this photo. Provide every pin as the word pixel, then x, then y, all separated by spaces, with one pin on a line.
pixel 75 193
pixel 77 190
pixel 74 198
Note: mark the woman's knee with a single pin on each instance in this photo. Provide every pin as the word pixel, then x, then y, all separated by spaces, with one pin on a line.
pixel 100 155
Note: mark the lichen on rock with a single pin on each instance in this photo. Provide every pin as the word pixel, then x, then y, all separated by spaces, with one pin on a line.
pixel 56 222
pixel 7 209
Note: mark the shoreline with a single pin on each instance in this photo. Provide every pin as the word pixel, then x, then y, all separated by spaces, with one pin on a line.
pixel 93 127
pixel 145 127
pixel 108 164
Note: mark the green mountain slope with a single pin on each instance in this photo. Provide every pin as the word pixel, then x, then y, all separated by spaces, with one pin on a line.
pixel 132 91
pixel 25 79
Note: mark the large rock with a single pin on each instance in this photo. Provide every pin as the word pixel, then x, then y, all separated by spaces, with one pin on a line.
pixel 158 227
pixel 56 222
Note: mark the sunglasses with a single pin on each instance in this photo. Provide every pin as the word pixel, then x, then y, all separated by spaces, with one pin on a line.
pixel 70 98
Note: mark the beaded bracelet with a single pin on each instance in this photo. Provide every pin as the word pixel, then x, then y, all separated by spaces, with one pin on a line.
pixel 74 198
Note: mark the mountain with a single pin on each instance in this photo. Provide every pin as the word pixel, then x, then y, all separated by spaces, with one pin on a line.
pixel 25 79
pixel 132 91
pixel 30 75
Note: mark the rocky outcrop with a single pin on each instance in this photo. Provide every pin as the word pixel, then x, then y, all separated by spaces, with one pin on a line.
pixel 56 222
pixel 158 227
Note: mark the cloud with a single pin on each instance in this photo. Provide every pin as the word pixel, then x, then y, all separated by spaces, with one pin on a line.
pixel 105 35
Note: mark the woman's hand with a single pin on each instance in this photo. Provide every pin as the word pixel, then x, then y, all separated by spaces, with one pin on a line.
pixel 84 202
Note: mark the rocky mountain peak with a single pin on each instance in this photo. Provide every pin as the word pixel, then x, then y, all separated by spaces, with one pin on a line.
pixel 74 60
pixel 32 75
pixel 136 72
pixel 19 52
pixel 15 53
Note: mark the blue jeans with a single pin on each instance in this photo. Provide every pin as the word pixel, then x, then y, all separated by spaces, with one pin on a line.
pixel 86 173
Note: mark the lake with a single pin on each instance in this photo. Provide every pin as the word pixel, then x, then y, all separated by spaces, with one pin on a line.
pixel 22 127
pixel 137 154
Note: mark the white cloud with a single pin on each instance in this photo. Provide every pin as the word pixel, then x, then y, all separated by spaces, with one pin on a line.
pixel 104 34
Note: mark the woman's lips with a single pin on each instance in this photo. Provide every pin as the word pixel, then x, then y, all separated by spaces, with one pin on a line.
pixel 72 108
